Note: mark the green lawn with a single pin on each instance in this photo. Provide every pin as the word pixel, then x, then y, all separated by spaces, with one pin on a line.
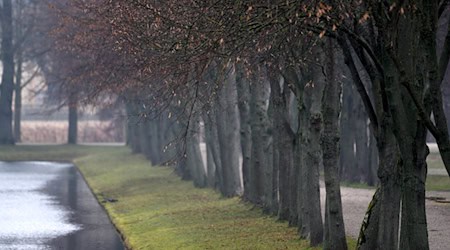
pixel 437 182
pixel 156 210
pixel 434 160
pixel 433 183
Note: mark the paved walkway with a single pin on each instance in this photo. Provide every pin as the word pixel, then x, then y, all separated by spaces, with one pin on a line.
pixel 355 203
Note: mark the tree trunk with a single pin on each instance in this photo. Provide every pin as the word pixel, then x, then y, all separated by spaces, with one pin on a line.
pixel 354 147
pixel 271 175
pixel 412 138
pixel 334 222
pixel 144 137
pixel 380 229
pixel 436 73
pixel 368 234
pixel 282 146
pixel 371 177
pixel 414 232
pixel 390 194
pixel 133 127
pixel 294 170
pixel 7 85
pixel 166 138
pixel 361 143
pixel 73 120
pixel 304 205
pixel 349 168
pixel 210 164
pixel 155 135
pixel 312 154
pixel 18 103
pixel 194 161
pixel 381 226
pixel 228 131
pixel 308 155
pixel 260 139
pixel 243 90
pixel 215 150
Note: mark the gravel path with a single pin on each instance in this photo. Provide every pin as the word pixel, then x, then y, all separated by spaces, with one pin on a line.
pixel 437 171
pixel 355 203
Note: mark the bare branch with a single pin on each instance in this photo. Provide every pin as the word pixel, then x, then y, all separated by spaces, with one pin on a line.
pixel 442 6
pixel 444 58
pixel 349 60
pixel 361 41
pixel 30 79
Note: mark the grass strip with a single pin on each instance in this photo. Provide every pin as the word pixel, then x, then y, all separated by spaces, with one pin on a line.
pixel 156 210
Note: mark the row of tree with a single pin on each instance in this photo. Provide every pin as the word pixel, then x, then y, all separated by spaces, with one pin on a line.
pixel 262 85
pixel 28 53
pixel 24 49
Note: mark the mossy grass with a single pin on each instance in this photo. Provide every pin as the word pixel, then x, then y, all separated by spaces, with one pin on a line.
pixel 437 183
pixel 434 160
pixel 156 210
pixel 433 183
pixel 358 185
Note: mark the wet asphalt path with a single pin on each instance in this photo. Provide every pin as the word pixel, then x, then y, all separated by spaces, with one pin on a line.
pixel 49 206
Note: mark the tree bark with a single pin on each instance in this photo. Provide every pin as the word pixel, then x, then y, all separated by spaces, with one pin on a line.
pixel 260 139
pixel 380 230
pixel 348 164
pixel 210 164
pixel 312 153
pixel 215 150
pixel 382 227
pixel 133 127
pixel 282 147
pixel 243 90
pixel 155 136
pixel 401 70
pixel 18 101
pixel 436 72
pixel 371 177
pixel 361 143
pixel 228 132
pixel 73 120
pixel 388 173
pixel 309 92
pixel 334 222
pixel 166 126
pixel 194 161
pixel 145 137
pixel 7 85
pixel 271 180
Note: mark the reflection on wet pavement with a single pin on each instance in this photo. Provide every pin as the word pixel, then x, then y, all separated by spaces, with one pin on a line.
pixel 48 206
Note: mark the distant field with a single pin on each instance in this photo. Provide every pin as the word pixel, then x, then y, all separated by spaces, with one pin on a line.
pixel 56 132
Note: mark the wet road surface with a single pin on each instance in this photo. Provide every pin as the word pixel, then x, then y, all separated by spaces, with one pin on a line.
pixel 49 206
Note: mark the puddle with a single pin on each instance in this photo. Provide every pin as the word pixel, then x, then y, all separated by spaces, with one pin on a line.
pixel 48 206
